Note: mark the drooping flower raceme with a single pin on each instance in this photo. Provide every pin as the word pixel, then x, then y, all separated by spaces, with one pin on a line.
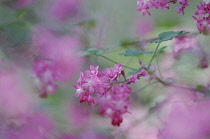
pixel 145 5
pixel 57 59
pixel 203 19
pixel 106 90
pixel 45 77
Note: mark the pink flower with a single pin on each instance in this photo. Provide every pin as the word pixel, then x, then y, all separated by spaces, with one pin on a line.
pixel 201 10
pixel 183 3
pixel 79 89
pixel 93 70
pixel 45 77
pixel 203 20
pixel 203 24
pixel 144 10
pixel 116 119
pixel 134 78
pixel 145 5
pixel 115 103
pixel 114 73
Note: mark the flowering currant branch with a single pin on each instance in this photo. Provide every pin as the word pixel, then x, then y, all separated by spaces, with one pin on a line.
pixel 111 95
pixel 107 91
pixel 171 84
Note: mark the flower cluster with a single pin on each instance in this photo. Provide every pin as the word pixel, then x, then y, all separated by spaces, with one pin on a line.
pixel 183 3
pixel 105 89
pixel 57 59
pixel 45 77
pixel 203 19
pixel 115 103
pixel 145 5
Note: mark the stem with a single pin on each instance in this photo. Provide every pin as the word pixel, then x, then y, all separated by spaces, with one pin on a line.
pixel 138 58
pixel 177 85
pixel 183 87
pixel 139 69
pixel 154 54
pixel 117 62
pixel 145 86
pixel 159 68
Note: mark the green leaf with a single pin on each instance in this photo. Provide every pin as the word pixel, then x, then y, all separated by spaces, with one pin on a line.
pixel 89 24
pixel 134 52
pixel 165 36
pixel 94 51
pixel 128 42
pixel 161 50
pixel 200 87
pixel 20 13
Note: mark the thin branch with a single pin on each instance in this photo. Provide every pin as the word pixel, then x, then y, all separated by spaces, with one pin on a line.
pixel 159 68
pixel 116 62
pixel 178 85
pixel 145 86
pixel 183 87
pixel 154 55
